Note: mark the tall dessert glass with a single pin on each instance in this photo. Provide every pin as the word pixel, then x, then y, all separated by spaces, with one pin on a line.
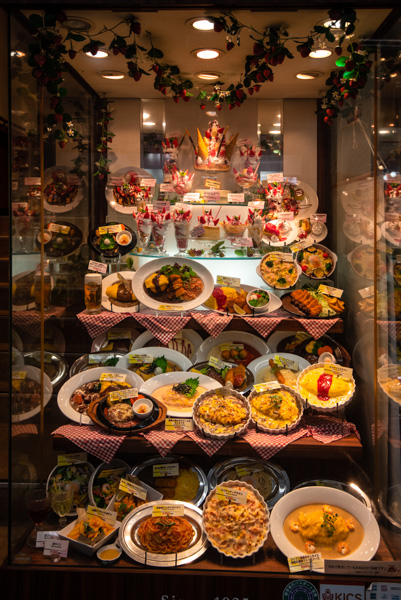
pixel 255 229
pixel 143 228
pixel 182 226
pixel 160 222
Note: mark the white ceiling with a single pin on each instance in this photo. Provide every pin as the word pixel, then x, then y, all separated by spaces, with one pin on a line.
pixel 174 35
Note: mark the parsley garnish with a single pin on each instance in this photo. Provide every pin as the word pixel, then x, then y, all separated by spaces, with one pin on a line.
pixel 188 387
pixel 160 362
pixel 328 524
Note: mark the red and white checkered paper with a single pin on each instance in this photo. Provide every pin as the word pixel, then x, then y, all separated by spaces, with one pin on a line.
pixel 163 327
pixel 264 325
pixel 392 328
pixel 268 444
pixel 163 441
pixel 317 327
pixel 326 428
pixel 29 320
pixel 19 429
pixel 212 322
pixel 92 439
pixel 97 324
pixel 208 445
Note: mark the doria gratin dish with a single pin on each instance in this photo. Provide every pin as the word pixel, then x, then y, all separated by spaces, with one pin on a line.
pixel 221 413
pixel 326 387
pixel 276 410
pixel 236 519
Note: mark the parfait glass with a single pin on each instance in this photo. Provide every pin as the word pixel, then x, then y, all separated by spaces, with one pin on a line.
pixel 38 505
pixel 144 229
pixel 62 499
pixel 159 232
pixel 255 231
pixel 181 231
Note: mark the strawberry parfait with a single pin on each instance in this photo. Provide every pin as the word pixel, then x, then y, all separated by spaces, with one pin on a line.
pixel 160 222
pixel 255 227
pixel 182 224
pixel 143 227
pixel 182 181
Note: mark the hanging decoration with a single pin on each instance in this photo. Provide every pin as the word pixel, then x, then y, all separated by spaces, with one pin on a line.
pixel 106 137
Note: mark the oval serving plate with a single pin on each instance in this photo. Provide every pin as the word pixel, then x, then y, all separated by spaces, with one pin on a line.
pixel 119 174
pixel 325 250
pixel 267 477
pixel 175 357
pixel 144 471
pixel 56 366
pixel 350 488
pixel 62 208
pixel 293 309
pixel 82 363
pixel 129 542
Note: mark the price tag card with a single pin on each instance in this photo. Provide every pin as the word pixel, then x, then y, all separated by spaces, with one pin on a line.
pixel 211 196
pixel 300 246
pixel 380 568
pixel 31 180
pixel 42 536
pixel 72 459
pixel 275 178
pixel 257 204
pixel 123 394
pixel 367 292
pixel 228 281
pixel 99 359
pixel 282 362
pixel 197 231
pixel 330 291
pixel 305 562
pixel 168 470
pixel 119 334
pixel 114 180
pixel 110 516
pixel 58 546
pixel 161 204
pixel 227 493
pixel 170 307
pixel 244 471
pixel 236 198
pixel 231 347
pixel 19 375
pixel 132 488
pixel 170 510
pixel 140 359
pixel 218 364
pixel 285 256
pixel 394 217
pixel 14 186
pixel 178 424
pixel 148 183
pixel 166 187
pixel 322 218
pixel 111 473
pixel 398 259
pixel 19 205
pixel 192 197
pixel 119 377
pixel 242 241
pixel 97 266
pixel 338 370
pixel 267 386
pixel 285 216
pixel 56 228
pixel 213 184
pixel 110 229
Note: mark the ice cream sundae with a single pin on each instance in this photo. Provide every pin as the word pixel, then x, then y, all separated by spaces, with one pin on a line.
pixel 182 181
pixel 170 151
pixel 182 224
pixel 160 222
pixel 213 153
pixel 143 226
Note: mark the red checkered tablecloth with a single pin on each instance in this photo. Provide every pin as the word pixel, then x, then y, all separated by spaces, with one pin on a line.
pixel 163 441
pixel 208 445
pixel 317 327
pixel 268 444
pixel 326 428
pixel 97 324
pixel 163 327
pixel 29 320
pixel 19 429
pixel 92 440
pixel 212 322
pixel 264 325
pixel 392 328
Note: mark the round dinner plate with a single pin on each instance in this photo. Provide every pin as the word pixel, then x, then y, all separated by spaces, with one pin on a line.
pixel 325 495
pixel 34 374
pixel 291 236
pixel 58 208
pixel 157 351
pixel 110 280
pixel 228 337
pixel 263 362
pixel 309 205
pixel 142 174
pixel 274 303
pixel 394 240
pixel 69 387
pixel 192 338
pixel 149 386
pixel 154 265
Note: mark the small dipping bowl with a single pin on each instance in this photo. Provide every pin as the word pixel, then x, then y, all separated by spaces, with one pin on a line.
pixel 123 238
pixel 109 554
pixel 262 307
pixel 142 408
pixel 327 357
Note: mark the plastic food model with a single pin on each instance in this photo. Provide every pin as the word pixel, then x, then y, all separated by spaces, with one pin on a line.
pixel 314 304
pixel 174 283
pixel 170 151
pixel 182 181
pixel 221 413
pixel 160 222
pixel 59 192
pixel 234 227
pixel 143 226
pixel 130 191
pixel 392 190
pixel 275 410
pixel 236 375
pixel 212 152
pixel 107 242
pixel 166 534
pixel 279 272
pixel 228 299
pixel 120 293
pixel 255 226
pixel 157 367
pixel 182 224
pixel 315 262
pixel 210 225
pixel 324 389
pixel 277 231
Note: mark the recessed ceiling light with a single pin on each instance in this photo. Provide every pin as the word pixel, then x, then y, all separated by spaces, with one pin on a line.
pixel 99 54
pixel 112 74
pixel 202 24
pixel 149 123
pixel 17 53
pixel 209 76
pixel 77 24
pixel 276 124
pixel 207 53
pixel 164 124
pixel 320 53
pixel 273 131
pixel 145 115
pixel 308 75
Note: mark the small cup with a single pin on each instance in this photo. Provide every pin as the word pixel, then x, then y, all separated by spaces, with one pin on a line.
pixel 116 553
pixel 123 238
pixel 139 407
pixel 327 357
pixel 263 306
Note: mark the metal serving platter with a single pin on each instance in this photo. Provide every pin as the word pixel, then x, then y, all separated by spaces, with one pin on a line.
pixel 130 543
pixel 82 363
pixel 351 488
pixel 115 463
pixel 203 489
pixel 58 361
pixel 280 481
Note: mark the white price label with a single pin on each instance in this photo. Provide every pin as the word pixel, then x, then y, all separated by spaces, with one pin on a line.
pixel 213 184
pixel 283 362
pixel 218 364
pixel 244 471
pixel 118 377
pixel 231 347
pixel 99 359
pixel 123 394
pixel 227 493
pixel 72 459
pixel 285 216
pixel 285 256
pixel 178 424
pixel 19 375
pixel 114 181
pixel 275 178
pixel 56 547
pixel 166 187
pixel 140 359
pixel 16 206
pixel 236 198
pixel 42 536
pixel 97 266
pixel 228 281
pixel 168 470
pixel 111 473
pixel 170 510
pixel 211 196
pixel 330 291
pixel 300 246
pixel 322 218
pixel 119 334
pixel 338 370
pixel 257 204
pixel 161 205
pixel 171 307
pixel 361 568
pixel 110 516
pixel 305 562
pixel 111 229
pixel 192 197
pixel 132 488
pixel 14 186
pixel 267 386
pixel 148 183
pixel 32 181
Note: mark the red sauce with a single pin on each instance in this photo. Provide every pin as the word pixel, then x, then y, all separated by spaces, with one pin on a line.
pixel 323 385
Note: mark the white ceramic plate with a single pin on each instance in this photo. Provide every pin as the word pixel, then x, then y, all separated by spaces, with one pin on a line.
pixel 351 259
pixel 86 548
pixel 325 495
pixel 156 351
pixel 309 205
pixel 291 235
pixel 274 304
pixel 314 239
pixel 69 387
pixel 33 373
pixel 395 240
pixel 149 386
pixel 80 194
pixel 275 338
pixel 127 210
pixel 360 238
pixel 154 265
pixel 186 342
pixel 263 362
pixel 210 346
pixel 110 280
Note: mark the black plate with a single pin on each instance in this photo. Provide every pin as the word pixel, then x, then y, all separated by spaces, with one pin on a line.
pixel 141 425
pixel 74 239
pixel 300 349
pixel 114 252
pixel 295 310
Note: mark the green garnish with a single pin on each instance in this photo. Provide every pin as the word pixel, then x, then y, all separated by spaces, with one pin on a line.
pixel 276 401
pixel 185 271
pixel 160 362
pixel 328 524
pixel 187 387
pixel 281 280
pixel 110 246
pixel 111 362
pixel 269 263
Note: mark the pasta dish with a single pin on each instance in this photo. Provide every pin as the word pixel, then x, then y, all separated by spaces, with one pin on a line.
pixel 165 535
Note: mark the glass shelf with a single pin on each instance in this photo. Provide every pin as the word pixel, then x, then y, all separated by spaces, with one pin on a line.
pixel 229 255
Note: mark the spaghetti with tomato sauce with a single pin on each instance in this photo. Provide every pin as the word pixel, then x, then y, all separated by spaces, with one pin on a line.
pixel 165 535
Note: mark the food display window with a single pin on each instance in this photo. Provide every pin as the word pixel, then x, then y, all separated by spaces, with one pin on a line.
pixel 205 294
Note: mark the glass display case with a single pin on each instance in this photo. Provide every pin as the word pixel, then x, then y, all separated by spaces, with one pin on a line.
pixel 203 297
